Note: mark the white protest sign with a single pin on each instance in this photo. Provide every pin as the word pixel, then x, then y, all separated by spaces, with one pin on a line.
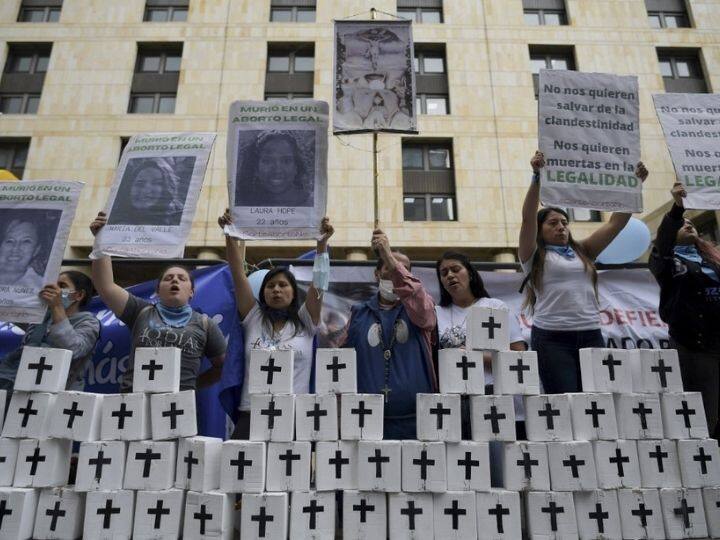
pixel 35 221
pixel 691 123
pixel 277 168
pixel 154 195
pixel 589 131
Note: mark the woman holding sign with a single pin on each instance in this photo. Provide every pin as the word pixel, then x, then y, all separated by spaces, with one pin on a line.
pixel 561 284
pixel 276 320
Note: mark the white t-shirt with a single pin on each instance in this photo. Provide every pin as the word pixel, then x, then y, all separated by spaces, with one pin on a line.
pixel 566 300
pixel 257 337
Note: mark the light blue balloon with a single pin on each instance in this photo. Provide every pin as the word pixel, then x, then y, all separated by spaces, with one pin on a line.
pixel 256 279
pixel 627 246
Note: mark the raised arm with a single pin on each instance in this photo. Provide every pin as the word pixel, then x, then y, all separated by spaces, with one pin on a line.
pixel 528 229
pixel 672 222
pixel 114 296
pixel 314 299
pixel 606 233
pixel 235 254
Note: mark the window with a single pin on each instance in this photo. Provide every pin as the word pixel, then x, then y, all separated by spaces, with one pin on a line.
pixel 428 181
pixel 292 11
pixel 544 12
pixel 667 13
pixel 549 57
pixel 40 11
pixel 583 214
pixel 288 95
pixel 23 78
pixel 166 10
pixel 13 155
pixel 157 72
pixel 681 70
pixel 431 79
pixel 421 11
pixel 290 70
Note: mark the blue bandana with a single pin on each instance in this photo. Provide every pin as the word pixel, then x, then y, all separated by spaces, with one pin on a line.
pixel 176 317
pixel 565 251
pixel 690 253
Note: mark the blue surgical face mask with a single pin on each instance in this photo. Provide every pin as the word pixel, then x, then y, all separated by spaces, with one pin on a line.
pixel 67 298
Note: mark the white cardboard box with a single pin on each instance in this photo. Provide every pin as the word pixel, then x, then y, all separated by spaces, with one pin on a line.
pixel 593 417
pixel 101 466
pixel 288 466
pixel 547 418
pixel 455 515
pixel 655 371
pixel 641 514
pixel 684 415
pixel 438 417
pixel 336 465
pixel 639 416
pixel 264 516
pixel 699 462
pixel 43 369
pixel 461 371
pixel 312 515
pixel 423 467
pixel 411 516
pixel 173 415
pixel 361 417
pixel 335 371
pixel 598 514
pixel 198 463
pixel 243 467
pixel 150 465
pixel 498 514
pixel 515 373
pixel 8 460
pixel 711 499
pixel 156 369
pixel 551 514
pixel 125 417
pixel 364 515
pixel 159 514
pixel 316 417
pixel 270 371
pixel 487 329
pixel 60 513
pixel 272 417
pixel 208 515
pixel 42 463
pixel 683 513
pixel 76 416
pixel 572 466
pixel 3 403
pixel 526 467
pixel 605 370
pixel 492 418
pixel 109 515
pixel 18 507
pixel 617 464
pixel 28 415
pixel 379 466
pixel 468 466
pixel 659 464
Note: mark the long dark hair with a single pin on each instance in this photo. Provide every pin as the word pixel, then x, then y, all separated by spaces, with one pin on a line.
pixel 292 310
pixel 538 261
pixel 477 287
pixel 82 283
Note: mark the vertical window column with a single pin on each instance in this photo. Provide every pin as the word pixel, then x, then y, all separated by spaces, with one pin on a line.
pixel 431 80
pixel 428 180
pixel 23 78
pixel 290 71
pixel 157 72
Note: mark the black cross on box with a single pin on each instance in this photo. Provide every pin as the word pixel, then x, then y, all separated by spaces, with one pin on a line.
pixel 605 370
pixel 658 370
pixel 243 466
pixel 76 416
pixel 593 416
pixel 683 415
pixel 551 513
pixel 516 373
pixel 438 417
pixel 410 515
pixel 468 466
pixel 638 416
pixel 208 513
pixel 335 371
pixel 711 500
pixel 198 463
pixel 101 465
pixel 150 465
pixel 572 466
pixel 158 512
pixel 361 416
pixel 312 514
pixel 684 513
pixel 492 418
pixel 316 417
pixel 271 371
pixel 424 466
pixel 699 463
pixel 598 513
pixel 641 513
pixel 659 463
pixel 43 370
pixel 42 463
pixel 364 514
pixel 526 467
pixel 288 466
pixel 28 415
pixel 265 515
pixel 498 514
pixel 272 417
pixel 617 464
pixel 461 371
pixel 547 418
pixel 336 465
pixel 157 369
pixel 17 511
pixel 109 513
pixel 59 514
pixel 173 415
pixel 8 458
pixel 455 514
pixel 487 329
pixel 125 417
pixel 379 466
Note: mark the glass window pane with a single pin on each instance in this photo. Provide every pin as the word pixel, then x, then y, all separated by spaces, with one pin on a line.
pixel 21 63
pixel 167 104
pixel 683 68
pixel 142 104
pixel 305 15
pixel 654 20
pixel 414 209
pixel 150 63
pixel 54 15
pixel 559 63
pixel 439 158
pixel 531 19
pixel 581 214
pixel 20 157
pixel 32 15
pixel 32 104
pixel 536 64
pixel 436 105
pixel 431 16
pixel 179 14
pixel 666 68
pixel 441 209
pixel 412 157
pixel 416 64
pixel 300 95
pixel 280 14
pixel 157 15
pixel 671 21
pixel 418 105
pixel 304 63
pixel 434 64
pixel 42 63
pixel 552 19
pixel 408 14
pixel 279 63
pixel 6 155
pixel 172 62
pixel 11 104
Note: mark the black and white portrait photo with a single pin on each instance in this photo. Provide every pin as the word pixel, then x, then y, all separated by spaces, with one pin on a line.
pixel 275 168
pixel 26 241
pixel 153 191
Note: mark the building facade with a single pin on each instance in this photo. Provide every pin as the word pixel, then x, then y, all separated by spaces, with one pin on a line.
pixel 81 76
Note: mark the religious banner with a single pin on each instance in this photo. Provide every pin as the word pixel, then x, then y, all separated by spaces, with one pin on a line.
pixel 691 123
pixel 154 195
pixel 35 221
pixel 277 168
pixel 589 131
pixel 374 86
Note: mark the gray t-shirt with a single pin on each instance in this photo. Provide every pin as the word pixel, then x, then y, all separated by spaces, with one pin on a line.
pixel 198 338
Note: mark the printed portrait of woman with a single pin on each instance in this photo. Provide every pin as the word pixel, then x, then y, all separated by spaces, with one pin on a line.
pixel 276 168
pixel 25 245
pixel 152 191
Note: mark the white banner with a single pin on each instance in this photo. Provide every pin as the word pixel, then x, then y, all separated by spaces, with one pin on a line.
pixel 374 86
pixel 691 123
pixel 589 131
pixel 154 195
pixel 277 168
pixel 35 221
